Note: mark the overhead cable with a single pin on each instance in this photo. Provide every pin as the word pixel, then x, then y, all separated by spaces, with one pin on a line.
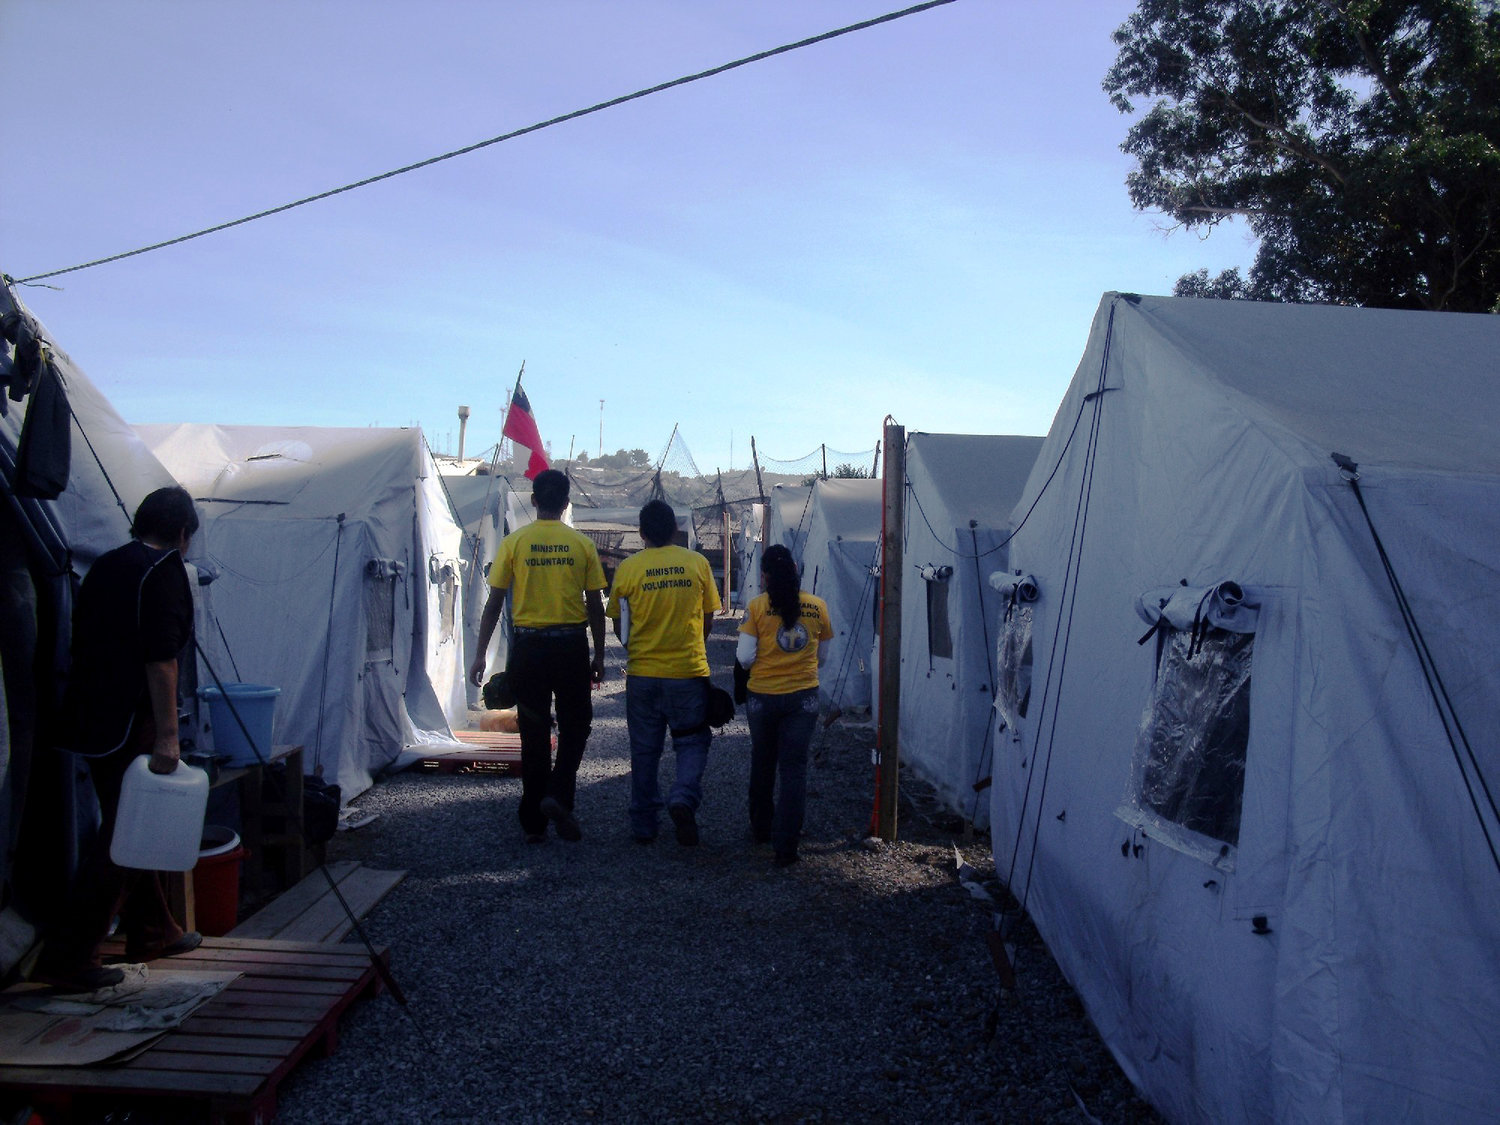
pixel 577 113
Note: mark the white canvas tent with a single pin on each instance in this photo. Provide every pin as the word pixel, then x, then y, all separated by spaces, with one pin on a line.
pixel 338 580
pixel 749 523
pixel 960 492
pixel 111 469
pixel 840 559
pixel 781 518
pixel 488 508
pixel 1262 844
pixel 788 509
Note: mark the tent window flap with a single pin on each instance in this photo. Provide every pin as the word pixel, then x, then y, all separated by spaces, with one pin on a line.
pixel 380 609
pixel 1013 649
pixel 1188 772
pixel 939 634
pixel 1013 688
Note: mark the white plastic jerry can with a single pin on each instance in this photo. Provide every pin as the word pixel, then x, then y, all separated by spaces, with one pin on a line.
pixel 159 824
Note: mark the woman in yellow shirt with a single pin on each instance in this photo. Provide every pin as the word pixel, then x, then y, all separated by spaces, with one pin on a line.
pixel 783 640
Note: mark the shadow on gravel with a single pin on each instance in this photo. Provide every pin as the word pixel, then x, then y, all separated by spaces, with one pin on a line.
pixel 610 981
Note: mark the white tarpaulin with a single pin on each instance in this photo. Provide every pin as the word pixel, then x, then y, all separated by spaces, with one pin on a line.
pixel 840 560
pixel 1262 853
pixel 960 492
pixel 338 570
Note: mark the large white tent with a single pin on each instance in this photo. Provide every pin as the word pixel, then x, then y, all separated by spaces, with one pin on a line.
pixel 338 579
pixel 840 560
pixel 488 508
pixel 1251 804
pixel 960 492
pixel 788 510
pixel 111 469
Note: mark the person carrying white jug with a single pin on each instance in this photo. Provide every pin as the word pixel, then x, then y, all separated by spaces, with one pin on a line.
pixel 132 617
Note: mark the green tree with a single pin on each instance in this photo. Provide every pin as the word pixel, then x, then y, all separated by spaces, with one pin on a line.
pixel 849 472
pixel 1360 140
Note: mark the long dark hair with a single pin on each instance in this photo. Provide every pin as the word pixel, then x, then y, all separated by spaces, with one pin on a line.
pixel 782 584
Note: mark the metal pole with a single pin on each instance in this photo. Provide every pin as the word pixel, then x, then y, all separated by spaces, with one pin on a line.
pixel 765 507
pixel 728 566
pixel 824 448
pixel 505 410
pixel 888 735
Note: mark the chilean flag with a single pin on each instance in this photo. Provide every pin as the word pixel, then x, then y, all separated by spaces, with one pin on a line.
pixel 520 427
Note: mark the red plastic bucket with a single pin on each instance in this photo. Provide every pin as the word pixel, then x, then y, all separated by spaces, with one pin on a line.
pixel 216 881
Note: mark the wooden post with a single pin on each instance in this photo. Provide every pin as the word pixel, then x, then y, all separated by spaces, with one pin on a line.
pixel 894 492
pixel 824 447
pixel 875 464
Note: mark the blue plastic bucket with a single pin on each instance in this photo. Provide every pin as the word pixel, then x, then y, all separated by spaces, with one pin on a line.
pixel 256 704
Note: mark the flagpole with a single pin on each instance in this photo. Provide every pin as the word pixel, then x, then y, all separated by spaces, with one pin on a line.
pixel 505 410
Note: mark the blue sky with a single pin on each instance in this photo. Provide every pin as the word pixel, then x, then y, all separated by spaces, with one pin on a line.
pixel 917 219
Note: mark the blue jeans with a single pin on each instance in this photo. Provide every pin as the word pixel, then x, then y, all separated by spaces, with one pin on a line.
pixel 781 728
pixel 653 706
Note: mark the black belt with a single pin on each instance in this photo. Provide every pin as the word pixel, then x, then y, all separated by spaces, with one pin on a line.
pixel 548 630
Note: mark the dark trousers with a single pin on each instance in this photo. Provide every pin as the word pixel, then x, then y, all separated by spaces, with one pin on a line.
pixel 104 890
pixel 544 667
pixel 781 729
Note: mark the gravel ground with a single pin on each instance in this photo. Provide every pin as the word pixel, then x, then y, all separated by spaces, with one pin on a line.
pixel 610 981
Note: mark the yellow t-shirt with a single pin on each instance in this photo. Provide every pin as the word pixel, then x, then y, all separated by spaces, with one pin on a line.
pixel 547 566
pixel 669 590
pixel 786 660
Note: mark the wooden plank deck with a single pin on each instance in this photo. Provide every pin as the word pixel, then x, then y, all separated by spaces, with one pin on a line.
pixel 310 911
pixel 484 752
pixel 227 1060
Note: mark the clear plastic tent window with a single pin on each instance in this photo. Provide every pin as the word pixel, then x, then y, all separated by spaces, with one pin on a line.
pixel 447 602
pixel 380 610
pixel 1013 691
pixel 1189 767
pixel 939 635
pixel 1187 778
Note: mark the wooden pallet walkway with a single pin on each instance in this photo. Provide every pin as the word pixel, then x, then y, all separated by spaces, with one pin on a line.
pixel 484 752
pixel 310 911
pixel 226 1062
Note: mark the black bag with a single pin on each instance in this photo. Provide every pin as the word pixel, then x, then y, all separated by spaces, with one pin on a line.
pixel 720 710
pixel 497 693
pixel 320 810
pixel 720 706
pixel 741 683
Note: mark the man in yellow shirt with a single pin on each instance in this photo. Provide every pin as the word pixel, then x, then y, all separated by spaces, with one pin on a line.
pixel 555 582
pixel 664 601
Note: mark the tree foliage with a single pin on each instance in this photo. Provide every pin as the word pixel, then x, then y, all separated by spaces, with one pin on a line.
pixel 847 471
pixel 1360 139
pixel 623 459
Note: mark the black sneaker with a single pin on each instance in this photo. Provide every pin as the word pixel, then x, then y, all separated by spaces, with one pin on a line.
pixel 784 859
pixel 565 822
pixel 685 823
